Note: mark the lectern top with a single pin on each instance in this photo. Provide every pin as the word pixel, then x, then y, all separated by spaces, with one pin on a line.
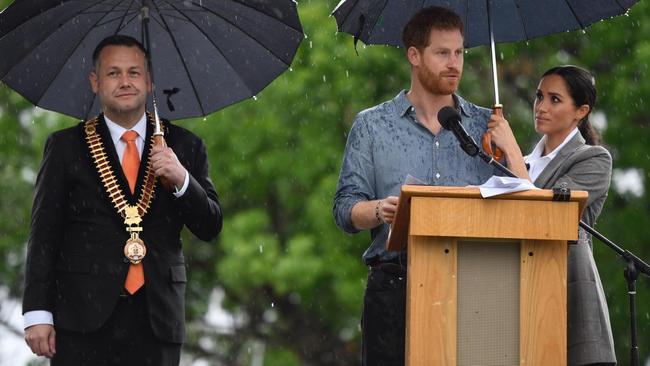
pixel 400 228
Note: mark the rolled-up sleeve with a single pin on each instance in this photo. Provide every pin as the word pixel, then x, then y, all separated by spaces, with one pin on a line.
pixel 357 179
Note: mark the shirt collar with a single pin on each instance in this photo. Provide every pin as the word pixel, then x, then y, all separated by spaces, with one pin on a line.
pixel 403 104
pixel 539 148
pixel 117 131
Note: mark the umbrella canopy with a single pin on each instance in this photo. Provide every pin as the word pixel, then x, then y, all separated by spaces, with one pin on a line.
pixel 382 21
pixel 205 54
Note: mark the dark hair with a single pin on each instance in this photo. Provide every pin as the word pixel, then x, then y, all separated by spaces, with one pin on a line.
pixel 582 87
pixel 417 30
pixel 117 40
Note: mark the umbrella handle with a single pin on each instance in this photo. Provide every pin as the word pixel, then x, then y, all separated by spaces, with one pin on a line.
pixel 159 139
pixel 495 152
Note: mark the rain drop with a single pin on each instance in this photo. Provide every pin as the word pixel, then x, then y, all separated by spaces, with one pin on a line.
pixel 324 78
pixel 254 97
pixel 261 249
pixel 272 305
pixel 311 44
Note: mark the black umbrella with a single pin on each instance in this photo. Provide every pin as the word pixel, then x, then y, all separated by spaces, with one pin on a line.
pixel 205 54
pixel 486 21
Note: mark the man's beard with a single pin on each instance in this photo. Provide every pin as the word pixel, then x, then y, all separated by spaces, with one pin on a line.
pixel 436 84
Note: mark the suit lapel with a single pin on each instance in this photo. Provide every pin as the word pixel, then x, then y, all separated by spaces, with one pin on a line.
pixel 111 152
pixel 144 159
pixel 549 172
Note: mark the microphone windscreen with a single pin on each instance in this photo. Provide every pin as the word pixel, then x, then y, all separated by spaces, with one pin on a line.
pixel 446 115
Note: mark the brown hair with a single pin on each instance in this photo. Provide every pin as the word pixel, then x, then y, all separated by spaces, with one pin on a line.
pixel 117 40
pixel 582 87
pixel 417 30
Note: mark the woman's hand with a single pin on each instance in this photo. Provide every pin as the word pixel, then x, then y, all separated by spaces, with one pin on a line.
pixel 502 136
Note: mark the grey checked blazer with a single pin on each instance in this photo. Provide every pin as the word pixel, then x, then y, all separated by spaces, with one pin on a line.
pixel 583 167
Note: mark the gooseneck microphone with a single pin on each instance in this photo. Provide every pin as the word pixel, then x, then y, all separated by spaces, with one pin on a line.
pixel 450 120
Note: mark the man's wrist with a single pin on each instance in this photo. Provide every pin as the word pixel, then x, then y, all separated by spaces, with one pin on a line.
pixel 36 317
pixel 179 191
pixel 378 207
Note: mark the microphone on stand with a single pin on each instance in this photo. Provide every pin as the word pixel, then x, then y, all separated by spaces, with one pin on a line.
pixel 450 120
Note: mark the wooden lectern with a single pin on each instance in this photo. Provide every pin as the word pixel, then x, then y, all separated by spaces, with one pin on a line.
pixel 486 277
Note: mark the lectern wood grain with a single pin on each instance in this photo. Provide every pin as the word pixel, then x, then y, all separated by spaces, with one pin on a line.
pixel 543 315
pixel 431 313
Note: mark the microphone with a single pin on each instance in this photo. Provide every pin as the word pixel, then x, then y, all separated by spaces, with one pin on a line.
pixel 450 120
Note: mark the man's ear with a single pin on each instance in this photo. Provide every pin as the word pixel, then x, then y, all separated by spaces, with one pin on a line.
pixel 94 83
pixel 414 56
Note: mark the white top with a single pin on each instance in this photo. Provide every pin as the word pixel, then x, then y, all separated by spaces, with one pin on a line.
pixel 45 317
pixel 537 162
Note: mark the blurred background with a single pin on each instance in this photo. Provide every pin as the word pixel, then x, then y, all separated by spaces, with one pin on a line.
pixel 282 286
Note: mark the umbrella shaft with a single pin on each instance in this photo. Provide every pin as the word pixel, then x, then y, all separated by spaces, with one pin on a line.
pixel 145 31
pixel 495 79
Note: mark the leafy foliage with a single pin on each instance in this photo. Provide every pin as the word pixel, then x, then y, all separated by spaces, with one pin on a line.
pixel 291 282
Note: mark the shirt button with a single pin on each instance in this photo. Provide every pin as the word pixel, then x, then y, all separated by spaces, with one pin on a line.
pixel 437 144
pixel 437 175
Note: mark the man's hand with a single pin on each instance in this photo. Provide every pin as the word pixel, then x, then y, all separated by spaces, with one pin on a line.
pixel 165 164
pixel 370 214
pixel 41 338
pixel 388 208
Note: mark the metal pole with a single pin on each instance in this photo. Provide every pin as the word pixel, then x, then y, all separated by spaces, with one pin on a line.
pixel 495 79
pixel 158 134
pixel 144 11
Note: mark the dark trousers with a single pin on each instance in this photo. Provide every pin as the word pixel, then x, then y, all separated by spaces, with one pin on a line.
pixel 383 320
pixel 126 339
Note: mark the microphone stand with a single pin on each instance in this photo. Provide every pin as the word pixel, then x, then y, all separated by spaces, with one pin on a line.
pixel 634 265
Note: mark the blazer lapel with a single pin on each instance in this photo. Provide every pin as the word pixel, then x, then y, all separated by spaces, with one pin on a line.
pixel 549 172
pixel 116 165
pixel 144 159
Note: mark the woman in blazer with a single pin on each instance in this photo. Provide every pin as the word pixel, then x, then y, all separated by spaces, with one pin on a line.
pixel 568 155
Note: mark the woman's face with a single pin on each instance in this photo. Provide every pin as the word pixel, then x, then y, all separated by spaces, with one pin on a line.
pixel 555 111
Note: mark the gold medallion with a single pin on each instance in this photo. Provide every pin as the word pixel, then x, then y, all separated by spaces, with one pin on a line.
pixel 134 249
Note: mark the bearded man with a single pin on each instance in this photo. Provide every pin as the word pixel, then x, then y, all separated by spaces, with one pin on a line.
pixel 395 139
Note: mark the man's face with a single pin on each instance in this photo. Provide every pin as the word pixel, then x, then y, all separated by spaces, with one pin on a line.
pixel 121 80
pixel 439 66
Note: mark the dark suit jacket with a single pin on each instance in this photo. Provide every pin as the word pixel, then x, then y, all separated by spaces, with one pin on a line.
pixel 75 263
pixel 582 167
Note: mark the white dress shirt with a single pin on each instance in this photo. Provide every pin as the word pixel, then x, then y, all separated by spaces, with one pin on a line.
pixel 537 162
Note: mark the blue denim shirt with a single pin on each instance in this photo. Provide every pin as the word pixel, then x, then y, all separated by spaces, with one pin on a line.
pixel 387 143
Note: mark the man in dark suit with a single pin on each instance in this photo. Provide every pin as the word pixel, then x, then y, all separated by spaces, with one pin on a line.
pixel 91 298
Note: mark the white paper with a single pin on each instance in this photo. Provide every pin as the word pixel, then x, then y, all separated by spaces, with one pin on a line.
pixel 502 185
